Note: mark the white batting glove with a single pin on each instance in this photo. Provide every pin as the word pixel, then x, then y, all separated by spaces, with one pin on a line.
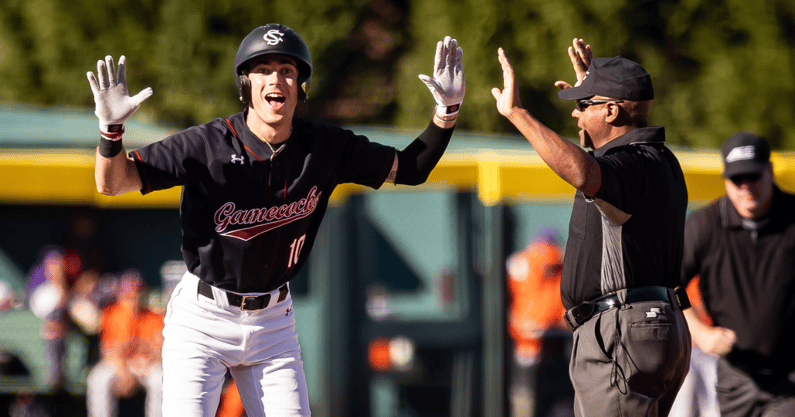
pixel 448 84
pixel 113 102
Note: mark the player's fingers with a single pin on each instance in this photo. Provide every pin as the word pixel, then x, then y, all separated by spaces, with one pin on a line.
pixel 102 75
pixel 445 56
pixel 437 59
pixel 452 52
pixel 140 97
pixel 122 77
pixel 92 81
pixel 111 70
pixel 431 83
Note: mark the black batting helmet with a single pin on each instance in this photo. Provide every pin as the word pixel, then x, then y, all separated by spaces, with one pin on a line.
pixel 273 38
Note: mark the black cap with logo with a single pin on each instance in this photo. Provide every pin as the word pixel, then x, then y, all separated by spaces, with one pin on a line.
pixel 617 78
pixel 745 153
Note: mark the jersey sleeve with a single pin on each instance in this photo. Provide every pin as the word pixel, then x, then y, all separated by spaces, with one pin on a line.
pixel 695 238
pixel 622 180
pixel 164 164
pixel 364 162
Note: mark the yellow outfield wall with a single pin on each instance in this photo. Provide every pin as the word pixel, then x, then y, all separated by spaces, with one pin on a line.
pixel 66 177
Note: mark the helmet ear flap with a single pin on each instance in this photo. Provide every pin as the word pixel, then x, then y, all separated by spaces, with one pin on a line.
pixel 244 88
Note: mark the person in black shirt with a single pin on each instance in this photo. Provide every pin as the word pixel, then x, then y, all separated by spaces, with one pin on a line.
pixel 631 346
pixel 743 248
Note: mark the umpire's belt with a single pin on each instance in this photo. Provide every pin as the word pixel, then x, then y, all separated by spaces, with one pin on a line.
pixel 578 315
pixel 245 302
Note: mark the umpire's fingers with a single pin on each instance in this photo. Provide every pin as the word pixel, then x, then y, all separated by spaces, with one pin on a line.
pixel 507 70
pixel 496 93
pixel 562 85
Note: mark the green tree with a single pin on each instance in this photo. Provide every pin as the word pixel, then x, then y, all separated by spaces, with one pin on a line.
pixel 719 66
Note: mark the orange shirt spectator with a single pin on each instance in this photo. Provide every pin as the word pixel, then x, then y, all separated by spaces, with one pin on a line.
pixel 694 294
pixel 534 287
pixel 231 405
pixel 139 334
pixel 130 341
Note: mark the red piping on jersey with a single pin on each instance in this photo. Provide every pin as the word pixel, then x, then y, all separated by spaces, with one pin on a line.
pixel 286 178
pixel 144 177
pixel 241 141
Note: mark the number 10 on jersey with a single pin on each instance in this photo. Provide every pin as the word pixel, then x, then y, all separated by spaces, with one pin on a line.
pixel 295 250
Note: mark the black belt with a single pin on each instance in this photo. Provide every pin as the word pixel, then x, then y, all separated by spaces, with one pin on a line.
pixel 245 302
pixel 578 315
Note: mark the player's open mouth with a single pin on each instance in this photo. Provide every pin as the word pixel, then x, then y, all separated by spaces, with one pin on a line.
pixel 275 100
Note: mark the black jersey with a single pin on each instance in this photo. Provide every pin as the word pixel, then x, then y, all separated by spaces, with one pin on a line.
pixel 249 215
pixel 747 278
pixel 640 177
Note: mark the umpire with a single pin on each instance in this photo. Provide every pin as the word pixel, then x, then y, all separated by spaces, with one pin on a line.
pixel 743 248
pixel 631 346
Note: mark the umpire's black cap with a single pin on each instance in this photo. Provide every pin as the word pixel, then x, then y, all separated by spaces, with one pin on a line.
pixel 617 78
pixel 745 153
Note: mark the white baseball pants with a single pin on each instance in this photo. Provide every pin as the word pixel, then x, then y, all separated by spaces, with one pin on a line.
pixel 204 337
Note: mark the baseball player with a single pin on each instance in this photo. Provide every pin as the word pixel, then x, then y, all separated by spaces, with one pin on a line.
pixel 255 186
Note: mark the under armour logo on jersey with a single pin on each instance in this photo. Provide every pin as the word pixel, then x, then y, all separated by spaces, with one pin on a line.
pixel 273 37
pixel 237 159
pixel 653 312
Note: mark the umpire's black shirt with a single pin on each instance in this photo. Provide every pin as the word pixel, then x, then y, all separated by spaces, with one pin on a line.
pixel 747 278
pixel 642 178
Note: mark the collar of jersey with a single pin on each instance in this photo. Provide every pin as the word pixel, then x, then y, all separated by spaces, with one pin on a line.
pixel 263 151
pixel 640 136
pixel 730 217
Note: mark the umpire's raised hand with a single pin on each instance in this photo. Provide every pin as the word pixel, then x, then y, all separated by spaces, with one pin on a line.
pixel 581 56
pixel 448 84
pixel 113 102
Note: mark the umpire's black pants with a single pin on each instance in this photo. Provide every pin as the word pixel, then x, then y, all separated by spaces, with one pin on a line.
pixel 739 395
pixel 630 361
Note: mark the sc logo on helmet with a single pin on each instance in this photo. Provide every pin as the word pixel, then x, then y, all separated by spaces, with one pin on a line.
pixel 273 37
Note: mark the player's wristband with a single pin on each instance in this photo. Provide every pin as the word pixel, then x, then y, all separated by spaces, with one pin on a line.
pixel 108 147
pixel 111 132
pixel 447 113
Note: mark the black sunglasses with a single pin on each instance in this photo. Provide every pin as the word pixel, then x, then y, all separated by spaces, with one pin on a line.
pixel 583 104
pixel 745 178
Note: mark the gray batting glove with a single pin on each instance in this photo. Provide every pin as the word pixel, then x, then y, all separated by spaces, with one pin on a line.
pixel 448 84
pixel 113 102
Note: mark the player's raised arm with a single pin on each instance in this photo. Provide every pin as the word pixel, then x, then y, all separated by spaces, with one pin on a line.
pixel 448 85
pixel 114 172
